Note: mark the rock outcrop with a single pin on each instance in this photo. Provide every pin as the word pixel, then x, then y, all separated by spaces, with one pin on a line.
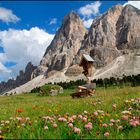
pixel 22 78
pixel 100 41
pixel 128 29
pixel 65 45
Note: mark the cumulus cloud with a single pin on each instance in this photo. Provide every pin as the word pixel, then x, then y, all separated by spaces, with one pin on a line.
pixel 6 15
pixel 4 72
pixel 3 69
pixel 53 21
pixel 91 9
pixel 134 3
pixel 88 12
pixel 22 46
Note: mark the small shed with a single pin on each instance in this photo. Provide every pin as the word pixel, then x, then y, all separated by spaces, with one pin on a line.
pixel 87 64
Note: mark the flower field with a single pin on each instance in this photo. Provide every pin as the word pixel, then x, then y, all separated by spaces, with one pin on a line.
pixel 112 113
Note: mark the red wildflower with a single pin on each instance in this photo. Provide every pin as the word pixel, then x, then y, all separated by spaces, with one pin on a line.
pixel 20 110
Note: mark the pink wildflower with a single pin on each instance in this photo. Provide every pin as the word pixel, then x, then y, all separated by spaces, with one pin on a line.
pixel 77 130
pixel 88 126
pixel 62 119
pixel 124 117
pixel 137 122
pixel 103 114
pixel 74 117
pixel 134 122
pixel 70 125
pixel 80 116
pixel 112 121
pixel 120 127
pixel 104 125
pixel 90 123
pixel 19 118
pixel 70 120
pixel 117 121
pixel 130 108
pixel 84 119
pixel 54 125
pixel 95 113
pixel 106 134
pixel 47 118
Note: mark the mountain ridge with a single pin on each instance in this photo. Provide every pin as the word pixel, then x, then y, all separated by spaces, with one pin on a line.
pixel 111 41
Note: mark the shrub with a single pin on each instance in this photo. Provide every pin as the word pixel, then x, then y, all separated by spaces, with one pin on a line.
pixel 35 90
pixel 45 90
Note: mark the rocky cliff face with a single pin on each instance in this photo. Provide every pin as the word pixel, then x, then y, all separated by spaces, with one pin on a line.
pixel 22 78
pixel 100 41
pixel 128 29
pixel 108 37
pixel 111 35
pixel 65 45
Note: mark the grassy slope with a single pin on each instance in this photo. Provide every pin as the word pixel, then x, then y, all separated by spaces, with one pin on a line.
pixel 35 107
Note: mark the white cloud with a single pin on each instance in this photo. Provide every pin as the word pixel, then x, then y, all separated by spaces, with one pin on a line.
pixel 88 12
pixel 87 23
pixel 22 46
pixel 53 21
pixel 134 3
pixel 3 69
pixel 6 15
pixel 91 9
pixel 4 72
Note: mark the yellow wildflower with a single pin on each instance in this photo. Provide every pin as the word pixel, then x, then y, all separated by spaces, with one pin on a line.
pixel 1 137
pixel 101 121
pixel 101 117
pixel 18 126
pixel 49 110
pixel 107 114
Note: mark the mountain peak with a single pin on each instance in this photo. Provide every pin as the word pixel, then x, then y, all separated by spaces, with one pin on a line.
pixel 72 13
pixel 115 9
pixel 130 8
pixel 65 45
pixel 71 17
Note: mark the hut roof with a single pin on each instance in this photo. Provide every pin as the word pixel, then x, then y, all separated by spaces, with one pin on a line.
pixel 86 57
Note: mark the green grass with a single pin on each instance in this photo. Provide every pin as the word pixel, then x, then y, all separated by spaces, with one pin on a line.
pixel 36 107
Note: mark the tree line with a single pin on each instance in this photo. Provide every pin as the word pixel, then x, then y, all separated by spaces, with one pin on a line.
pixel 131 80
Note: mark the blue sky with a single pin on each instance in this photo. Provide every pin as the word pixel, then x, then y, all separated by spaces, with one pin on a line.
pixel 39 13
pixel 27 28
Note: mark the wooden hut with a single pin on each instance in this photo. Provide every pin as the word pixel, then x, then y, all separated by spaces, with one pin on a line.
pixel 87 64
pixel 89 88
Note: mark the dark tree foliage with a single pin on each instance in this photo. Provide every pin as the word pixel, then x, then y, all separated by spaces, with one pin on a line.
pixel 71 84
pixel 131 80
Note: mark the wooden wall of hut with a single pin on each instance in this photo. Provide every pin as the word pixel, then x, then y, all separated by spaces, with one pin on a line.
pixel 88 67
